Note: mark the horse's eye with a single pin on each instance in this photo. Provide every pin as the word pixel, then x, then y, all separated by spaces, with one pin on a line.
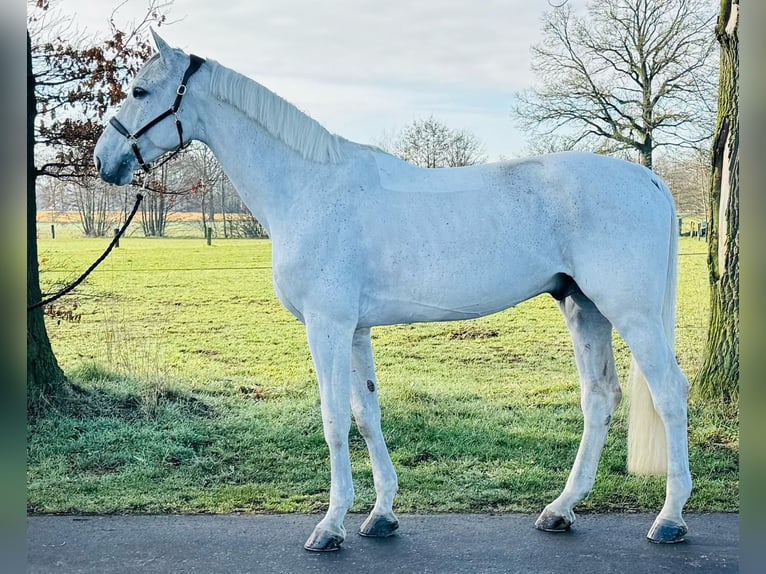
pixel 138 92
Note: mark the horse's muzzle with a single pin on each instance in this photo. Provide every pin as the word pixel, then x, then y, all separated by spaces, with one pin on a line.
pixel 121 174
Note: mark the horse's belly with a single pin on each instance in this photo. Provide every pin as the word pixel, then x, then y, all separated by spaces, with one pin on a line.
pixel 453 297
pixel 394 312
pixel 458 268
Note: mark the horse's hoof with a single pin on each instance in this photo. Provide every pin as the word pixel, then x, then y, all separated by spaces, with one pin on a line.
pixel 323 541
pixel 379 526
pixel 552 522
pixel 667 532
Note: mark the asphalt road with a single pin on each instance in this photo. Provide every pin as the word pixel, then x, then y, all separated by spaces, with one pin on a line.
pixel 439 544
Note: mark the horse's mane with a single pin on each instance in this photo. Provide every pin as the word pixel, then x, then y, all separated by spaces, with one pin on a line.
pixel 276 115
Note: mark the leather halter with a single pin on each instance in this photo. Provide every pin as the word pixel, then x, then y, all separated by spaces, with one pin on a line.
pixel 194 64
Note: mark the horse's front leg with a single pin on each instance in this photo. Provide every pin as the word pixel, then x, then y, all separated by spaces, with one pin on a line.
pixel 364 404
pixel 330 345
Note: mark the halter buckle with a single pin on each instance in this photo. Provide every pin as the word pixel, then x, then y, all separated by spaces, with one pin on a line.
pixel 181 90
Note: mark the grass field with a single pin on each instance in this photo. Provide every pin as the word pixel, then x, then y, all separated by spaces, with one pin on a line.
pixel 198 395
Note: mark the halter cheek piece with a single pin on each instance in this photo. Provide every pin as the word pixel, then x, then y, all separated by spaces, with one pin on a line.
pixel 194 64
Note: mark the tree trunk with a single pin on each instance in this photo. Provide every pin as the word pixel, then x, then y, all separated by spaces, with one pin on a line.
pixel 645 148
pixel 719 376
pixel 45 379
pixel 203 208
pixel 223 206
pixel 645 156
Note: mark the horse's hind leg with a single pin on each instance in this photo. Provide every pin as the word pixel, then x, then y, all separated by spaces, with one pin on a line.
pixel 364 404
pixel 669 390
pixel 600 394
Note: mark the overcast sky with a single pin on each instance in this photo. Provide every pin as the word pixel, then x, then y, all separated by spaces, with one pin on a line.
pixel 364 68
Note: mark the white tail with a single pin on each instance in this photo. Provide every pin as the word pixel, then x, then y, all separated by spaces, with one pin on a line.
pixel 647 444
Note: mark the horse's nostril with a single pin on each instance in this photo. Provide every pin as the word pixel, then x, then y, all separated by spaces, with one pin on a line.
pixel 98 164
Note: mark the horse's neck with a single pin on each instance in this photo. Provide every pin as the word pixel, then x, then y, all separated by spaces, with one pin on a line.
pixel 266 173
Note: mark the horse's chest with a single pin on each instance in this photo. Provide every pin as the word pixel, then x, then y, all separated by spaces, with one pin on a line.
pixel 286 296
pixel 315 278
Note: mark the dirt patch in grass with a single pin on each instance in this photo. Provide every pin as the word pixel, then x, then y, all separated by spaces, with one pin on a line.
pixel 472 333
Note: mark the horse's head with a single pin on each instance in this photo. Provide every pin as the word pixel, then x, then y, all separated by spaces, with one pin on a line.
pixel 155 117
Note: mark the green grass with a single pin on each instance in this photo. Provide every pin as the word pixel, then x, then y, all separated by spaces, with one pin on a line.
pixel 197 394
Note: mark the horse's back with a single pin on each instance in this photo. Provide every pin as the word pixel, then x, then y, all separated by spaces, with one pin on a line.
pixel 576 196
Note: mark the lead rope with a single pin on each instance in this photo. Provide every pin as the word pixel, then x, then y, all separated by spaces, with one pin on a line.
pixel 95 264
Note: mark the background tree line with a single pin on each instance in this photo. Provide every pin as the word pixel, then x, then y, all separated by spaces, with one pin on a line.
pixel 192 182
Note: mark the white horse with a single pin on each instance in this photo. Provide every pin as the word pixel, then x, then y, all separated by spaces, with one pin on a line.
pixel 361 238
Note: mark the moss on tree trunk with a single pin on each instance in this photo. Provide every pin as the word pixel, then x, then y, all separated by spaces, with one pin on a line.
pixel 719 375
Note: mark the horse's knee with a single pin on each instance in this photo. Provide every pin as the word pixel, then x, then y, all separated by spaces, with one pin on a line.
pixel 336 435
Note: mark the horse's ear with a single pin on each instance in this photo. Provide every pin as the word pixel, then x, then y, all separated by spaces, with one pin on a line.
pixel 162 47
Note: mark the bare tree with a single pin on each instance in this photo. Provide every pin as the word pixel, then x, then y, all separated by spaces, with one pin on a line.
pixel 237 220
pixel 154 211
pixel 164 187
pixel 244 225
pixel 53 195
pixel 634 75
pixel 203 169
pixel 719 375
pixel 430 143
pixel 94 201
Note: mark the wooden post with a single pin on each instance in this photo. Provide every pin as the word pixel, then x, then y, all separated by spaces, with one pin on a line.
pixel 209 234
pixel 116 234
pixel 53 231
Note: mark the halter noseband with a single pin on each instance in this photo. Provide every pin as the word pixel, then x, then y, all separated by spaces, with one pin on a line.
pixel 194 64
